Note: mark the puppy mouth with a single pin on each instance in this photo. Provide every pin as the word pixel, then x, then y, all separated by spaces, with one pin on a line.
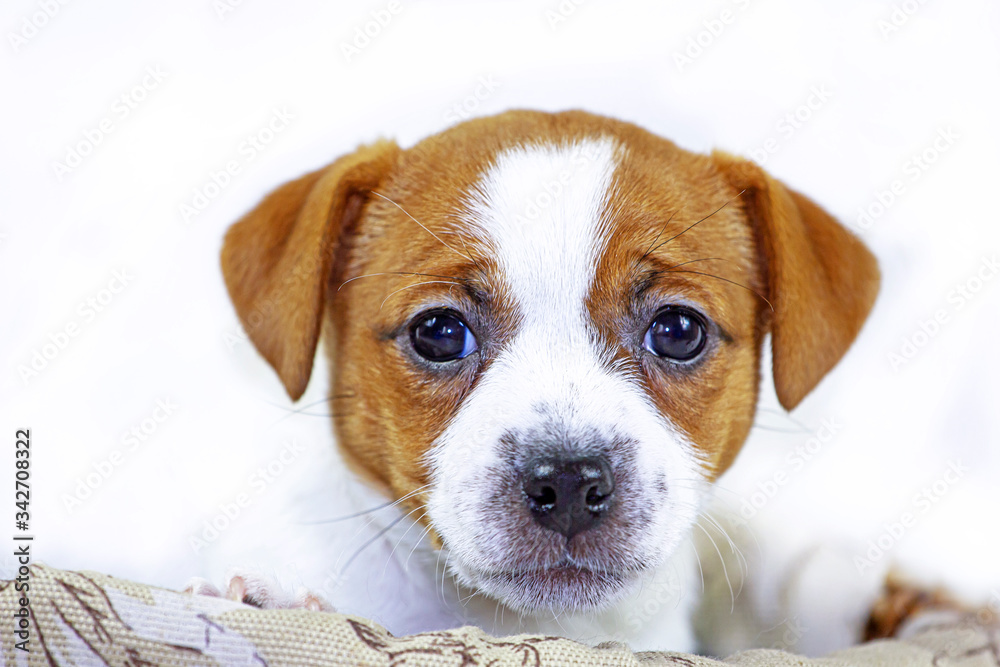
pixel 563 586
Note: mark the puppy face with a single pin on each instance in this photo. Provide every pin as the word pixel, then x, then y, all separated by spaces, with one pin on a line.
pixel 544 332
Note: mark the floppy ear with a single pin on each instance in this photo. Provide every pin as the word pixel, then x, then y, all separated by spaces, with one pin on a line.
pixel 821 280
pixel 278 258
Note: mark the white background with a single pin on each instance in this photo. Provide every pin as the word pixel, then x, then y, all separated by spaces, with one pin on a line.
pixel 168 335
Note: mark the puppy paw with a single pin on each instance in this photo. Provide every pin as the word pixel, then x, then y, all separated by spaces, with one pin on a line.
pixel 905 608
pixel 258 591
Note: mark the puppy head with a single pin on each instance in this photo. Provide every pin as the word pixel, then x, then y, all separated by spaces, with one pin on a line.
pixel 544 331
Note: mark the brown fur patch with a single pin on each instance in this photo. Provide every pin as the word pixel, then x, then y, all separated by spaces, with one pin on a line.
pixel 901 601
pixel 325 248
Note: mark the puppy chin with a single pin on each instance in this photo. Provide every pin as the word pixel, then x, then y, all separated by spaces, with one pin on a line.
pixel 563 587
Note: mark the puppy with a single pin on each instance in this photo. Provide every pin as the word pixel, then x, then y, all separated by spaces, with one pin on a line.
pixel 544 337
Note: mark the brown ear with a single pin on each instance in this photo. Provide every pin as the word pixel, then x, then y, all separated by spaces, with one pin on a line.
pixel 821 280
pixel 277 259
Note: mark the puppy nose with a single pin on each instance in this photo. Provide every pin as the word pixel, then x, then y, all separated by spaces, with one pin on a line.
pixel 568 496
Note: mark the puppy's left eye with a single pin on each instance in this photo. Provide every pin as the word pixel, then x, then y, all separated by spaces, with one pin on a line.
pixel 676 333
pixel 441 336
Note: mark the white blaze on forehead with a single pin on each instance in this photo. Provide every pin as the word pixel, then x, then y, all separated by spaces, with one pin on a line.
pixel 539 211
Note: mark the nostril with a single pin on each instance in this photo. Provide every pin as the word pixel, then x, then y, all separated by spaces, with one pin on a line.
pixel 543 499
pixel 595 497
pixel 538 480
pixel 568 496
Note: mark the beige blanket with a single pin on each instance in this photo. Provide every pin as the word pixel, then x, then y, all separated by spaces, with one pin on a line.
pixel 85 618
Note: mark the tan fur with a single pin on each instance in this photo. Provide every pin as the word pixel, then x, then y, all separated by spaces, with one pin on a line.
pixel 901 601
pixel 325 247
pixel 278 259
pixel 822 281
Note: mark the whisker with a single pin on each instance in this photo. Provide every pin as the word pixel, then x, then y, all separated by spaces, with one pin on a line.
pixel 701 572
pixel 301 410
pixel 709 275
pixel 349 516
pixel 725 570
pixel 401 538
pixel 370 541
pixel 801 428
pixel 700 221
pixel 743 523
pixel 328 415
pixel 368 511
pixel 444 575
pixel 474 261
pixel 422 226
pixel 406 563
pixel 558 619
pixel 658 235
pixel 495 612
pixel 703 259
pixel 744 565
pixel 437 564
pixel 426 282
pixel 400 273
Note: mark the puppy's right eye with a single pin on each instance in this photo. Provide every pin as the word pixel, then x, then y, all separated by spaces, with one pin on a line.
pixel 441 336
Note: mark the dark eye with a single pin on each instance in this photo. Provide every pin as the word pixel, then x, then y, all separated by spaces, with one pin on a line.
pixel 676 333
pixel 442 336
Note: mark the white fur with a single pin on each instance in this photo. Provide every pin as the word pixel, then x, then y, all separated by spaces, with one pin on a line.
pixel 547 257
pixel 538 212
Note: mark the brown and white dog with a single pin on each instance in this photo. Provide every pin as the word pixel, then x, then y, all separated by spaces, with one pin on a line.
pixel 544 335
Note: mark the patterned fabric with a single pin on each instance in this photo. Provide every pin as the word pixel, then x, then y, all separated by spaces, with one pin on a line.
pixel 85 618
